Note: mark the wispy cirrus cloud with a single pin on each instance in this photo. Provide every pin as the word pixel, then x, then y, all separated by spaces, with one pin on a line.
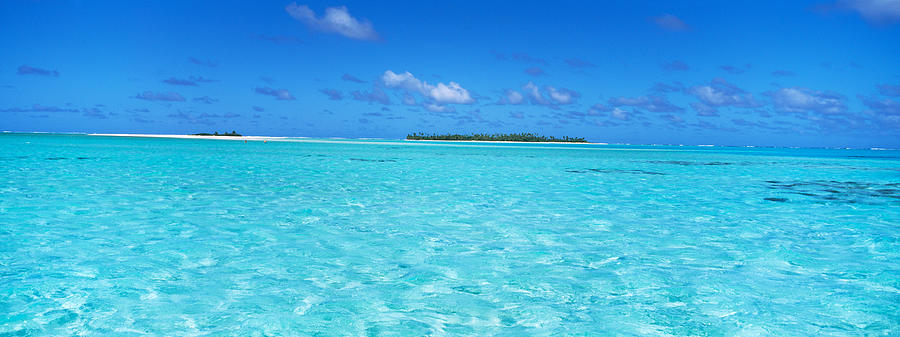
pixel 190 81
pixel 874 11
pixel 548 96
pixel 886 105
pixel 675 66
pixel 884 110
pixel 652 103
pixel 704 110
pixel 351 78
pixel 279 94
pixel 179 81
pixel 621 114
pixel 29 70
pixel 205 99
pixel 670 23
pixel 666 87
pixel 783 73
pixel 673 120
pixel 333 94
pixel 377 95
pixel 160 96
pixel 535 71
pixel 190 118
pixel 205 63
pixel 579 63
pixel 277 39
pixel 40 108
pixel 520 57
pixel 889 90
pixel 562 96
pixel 95 113
pixel 719 93
pixel 599 108
pixel 437 107
pixel 516 114
pixel 511 97
pixel 735 69
pixel 335 20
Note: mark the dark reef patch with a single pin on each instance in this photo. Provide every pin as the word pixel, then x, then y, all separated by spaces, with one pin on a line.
pixel 691 163
pixel 474 290
pixel 851 192
pixel 614 171
pixel 874 157
pixel 375 160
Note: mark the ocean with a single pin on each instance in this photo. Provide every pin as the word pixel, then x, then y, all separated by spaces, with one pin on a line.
pixel 134 236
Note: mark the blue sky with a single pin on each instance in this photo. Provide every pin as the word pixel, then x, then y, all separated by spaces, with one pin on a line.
pixel 782 73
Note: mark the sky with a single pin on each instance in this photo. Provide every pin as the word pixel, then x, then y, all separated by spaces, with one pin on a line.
pixel 765 73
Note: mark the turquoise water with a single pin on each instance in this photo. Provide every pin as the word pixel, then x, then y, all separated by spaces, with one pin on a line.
pixel 134 236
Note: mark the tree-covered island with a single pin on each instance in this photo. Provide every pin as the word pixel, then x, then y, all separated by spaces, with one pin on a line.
pixel 496 137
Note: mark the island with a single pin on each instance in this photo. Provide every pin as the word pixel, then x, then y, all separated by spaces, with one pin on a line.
pixel 496 137
pixel 226 134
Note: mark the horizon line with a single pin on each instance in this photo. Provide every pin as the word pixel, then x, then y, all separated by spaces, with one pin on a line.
pixel 177 136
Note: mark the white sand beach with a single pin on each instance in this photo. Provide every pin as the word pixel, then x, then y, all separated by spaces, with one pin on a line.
pixel 266 138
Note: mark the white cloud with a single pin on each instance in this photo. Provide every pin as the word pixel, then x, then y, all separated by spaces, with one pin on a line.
pixel 405 81
pixel 514 97
pixel 711 96
pixel 720 93
pixel 452 93
pixel 653 103
pixel 440 93
pixel 556 96
pixel 704 110
pixel 336 20
pixel 409 99
pixel 562 96
pixel 620 114
pixel 534 94
pixel 802 100
pixel 877 11
pixel 437 108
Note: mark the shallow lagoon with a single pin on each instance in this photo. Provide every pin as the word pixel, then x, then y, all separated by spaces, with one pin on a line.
pixel 131 236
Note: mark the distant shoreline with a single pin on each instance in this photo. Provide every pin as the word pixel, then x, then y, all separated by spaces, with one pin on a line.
pixel 147 135
pixel 144 135
pixel 342 139
pixel 498 141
